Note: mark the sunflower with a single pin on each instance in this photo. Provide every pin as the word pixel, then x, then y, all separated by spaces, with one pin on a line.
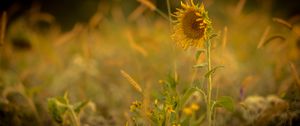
pixel 192 25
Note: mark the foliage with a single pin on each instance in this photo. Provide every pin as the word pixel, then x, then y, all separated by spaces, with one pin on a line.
pixel 63 112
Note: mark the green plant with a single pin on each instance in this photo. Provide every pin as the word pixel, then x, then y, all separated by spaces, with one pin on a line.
pixel 192 28
pixel 63 112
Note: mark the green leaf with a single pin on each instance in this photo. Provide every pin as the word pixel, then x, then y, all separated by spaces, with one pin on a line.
pixel 189 93
pixel 212 71
pixel 201 91
pixel 186 95
pixel 212 36
pixel 55 110
pixel 199 120
pixel 172 82
pixel 61 100
pixel 80 105
pixel 200 65
pixel 198 53
pixel 66 95
pixel 226 102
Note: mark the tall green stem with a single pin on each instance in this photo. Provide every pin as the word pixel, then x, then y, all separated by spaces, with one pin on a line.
pixel 209 84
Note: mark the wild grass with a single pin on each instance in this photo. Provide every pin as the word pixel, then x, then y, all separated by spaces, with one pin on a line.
pixel 123 68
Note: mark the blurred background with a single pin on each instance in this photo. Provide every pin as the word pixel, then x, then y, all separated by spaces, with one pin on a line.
pixel 53 46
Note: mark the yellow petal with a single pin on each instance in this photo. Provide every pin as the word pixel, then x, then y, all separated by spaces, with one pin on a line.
pixel 199 19
pixel 183 5
pixel 198 14
pixel 192 2
pixel 202 9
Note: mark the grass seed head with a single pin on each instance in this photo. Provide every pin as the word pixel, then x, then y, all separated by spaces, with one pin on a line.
pixel 136 86
pixel 148 4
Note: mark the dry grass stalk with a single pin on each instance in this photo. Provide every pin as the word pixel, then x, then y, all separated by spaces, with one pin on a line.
pixel 95 20
pixel 239 7
pixel 224 41
pixel 136 13
pixel 278 37
pixel 295 74
pixel 66 37
pixel 135 46
pixel 3 27
pixel 147 3
pixel 263 38
pixel 131 81
pixel 283 22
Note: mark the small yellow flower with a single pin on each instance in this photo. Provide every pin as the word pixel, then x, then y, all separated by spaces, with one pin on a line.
pixel 149 112
pixel 192 25
pixel 194 106
pixel 170 109
pixel 135 105
pixel 191 109
pixel 187 111
pixel 176 125
pixel 161 81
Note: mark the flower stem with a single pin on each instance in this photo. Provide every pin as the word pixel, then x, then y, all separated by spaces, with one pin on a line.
pixel 169 12
pixel 75 121
pixel 209 86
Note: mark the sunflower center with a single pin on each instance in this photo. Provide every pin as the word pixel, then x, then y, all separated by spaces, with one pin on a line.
pixel 190 25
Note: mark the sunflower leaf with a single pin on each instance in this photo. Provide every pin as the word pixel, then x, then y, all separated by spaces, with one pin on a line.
pixel 226 102
pixel 200 65
pixel 212 71
pixel 78 106
pixel 198 53
pixel 212 36
pixel 56 110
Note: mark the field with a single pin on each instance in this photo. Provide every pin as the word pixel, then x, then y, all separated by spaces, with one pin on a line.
pixel 133 63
